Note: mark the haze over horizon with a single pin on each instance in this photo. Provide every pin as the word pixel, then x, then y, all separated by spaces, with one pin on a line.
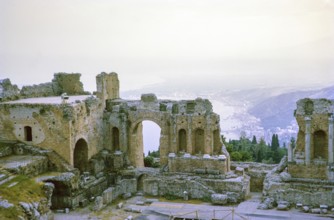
pixel 229 44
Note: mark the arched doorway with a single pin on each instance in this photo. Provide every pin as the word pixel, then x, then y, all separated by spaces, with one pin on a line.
pixel 80 155
pixel 182 140
pixel 320 145
pixel 199 141
pixel 115 139
pixel 140 182
pixel 145 139
pixel 151 142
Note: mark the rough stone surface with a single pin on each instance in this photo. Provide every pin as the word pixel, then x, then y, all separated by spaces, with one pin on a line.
pixel 95 142
pixel 73 128
pixel 268 203
pixel 5 204
pixel 8 91
pixel 219 199
pixel 98 203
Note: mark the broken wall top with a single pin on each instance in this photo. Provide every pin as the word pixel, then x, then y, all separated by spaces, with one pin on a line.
pixel 308 107
pixel 61 83
pixel 198 106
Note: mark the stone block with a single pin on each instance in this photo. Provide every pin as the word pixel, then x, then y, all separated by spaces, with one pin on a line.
pixel 219 199
pixel 150 97
pixel 150 201
pixel 107 195
pixel 213 172
pixel 324 211
pixel 98 203
pixel 239 171
pixel 119 205
pixel 324 206
pixel 126 195
pixel 140 203
pixel 306 208
pixel 282 207
pixel 316 211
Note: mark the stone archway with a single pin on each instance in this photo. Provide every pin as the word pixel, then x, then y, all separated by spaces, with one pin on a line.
pixel 136 144
pixel 80 155
pixel 140 182
pixel 320 145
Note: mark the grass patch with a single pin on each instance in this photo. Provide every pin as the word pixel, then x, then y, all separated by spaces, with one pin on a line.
pixel 26 190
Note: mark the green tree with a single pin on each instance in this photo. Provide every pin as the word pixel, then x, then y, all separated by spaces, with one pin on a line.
pixel 236 156
pixel 148 161
pixel 254 140
pixel 155 154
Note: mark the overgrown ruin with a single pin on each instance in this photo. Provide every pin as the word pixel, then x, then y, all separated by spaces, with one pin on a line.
pixel 93 144
pixel 85 148
pixel 306 177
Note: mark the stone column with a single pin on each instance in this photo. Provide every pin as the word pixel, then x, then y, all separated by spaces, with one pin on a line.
pixel 290 153
pixel 189 136
pixel 307 140
pixel 330 140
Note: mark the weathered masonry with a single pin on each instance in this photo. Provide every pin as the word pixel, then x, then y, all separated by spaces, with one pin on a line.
pixel 313 156
pixel 307 175
pixel 79 126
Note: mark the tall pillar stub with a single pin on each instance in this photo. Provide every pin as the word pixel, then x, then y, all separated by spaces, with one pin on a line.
pixel 330 140
pixel 307 140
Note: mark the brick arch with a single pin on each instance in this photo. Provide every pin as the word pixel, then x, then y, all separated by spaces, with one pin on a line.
pixel 80 155
pixel 156 119
pixel 135 148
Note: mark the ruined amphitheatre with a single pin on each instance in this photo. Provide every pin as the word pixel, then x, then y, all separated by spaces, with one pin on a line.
pixel 81 149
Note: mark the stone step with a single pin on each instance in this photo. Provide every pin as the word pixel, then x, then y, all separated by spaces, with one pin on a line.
pixel 25 164
pixel 9 178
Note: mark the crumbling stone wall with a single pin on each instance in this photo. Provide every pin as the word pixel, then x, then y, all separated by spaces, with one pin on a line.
pixel 107 86
pixel 281 186
pixel 256 171
pixel 313 156
pixel 54 126
pixel 197 165
pixel 61 83
pixel 74 128
pixel 194 117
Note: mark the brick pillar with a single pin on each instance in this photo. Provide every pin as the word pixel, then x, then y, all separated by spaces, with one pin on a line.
pixel 290 153
pixel 307 140
pixel 189 136
pixel 330 140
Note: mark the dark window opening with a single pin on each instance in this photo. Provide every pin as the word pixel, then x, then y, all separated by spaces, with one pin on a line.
pixel 28 133
pixel 182 140
pixel 115 139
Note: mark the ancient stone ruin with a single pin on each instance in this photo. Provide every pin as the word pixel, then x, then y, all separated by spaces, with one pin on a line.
pixel 93 144
pixel 306 177
pixel 82 148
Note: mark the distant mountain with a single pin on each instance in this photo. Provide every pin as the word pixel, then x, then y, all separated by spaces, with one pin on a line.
pixel 277 111
pixel 258 111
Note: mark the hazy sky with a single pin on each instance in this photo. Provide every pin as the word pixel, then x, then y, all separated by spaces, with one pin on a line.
pixel 227 42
